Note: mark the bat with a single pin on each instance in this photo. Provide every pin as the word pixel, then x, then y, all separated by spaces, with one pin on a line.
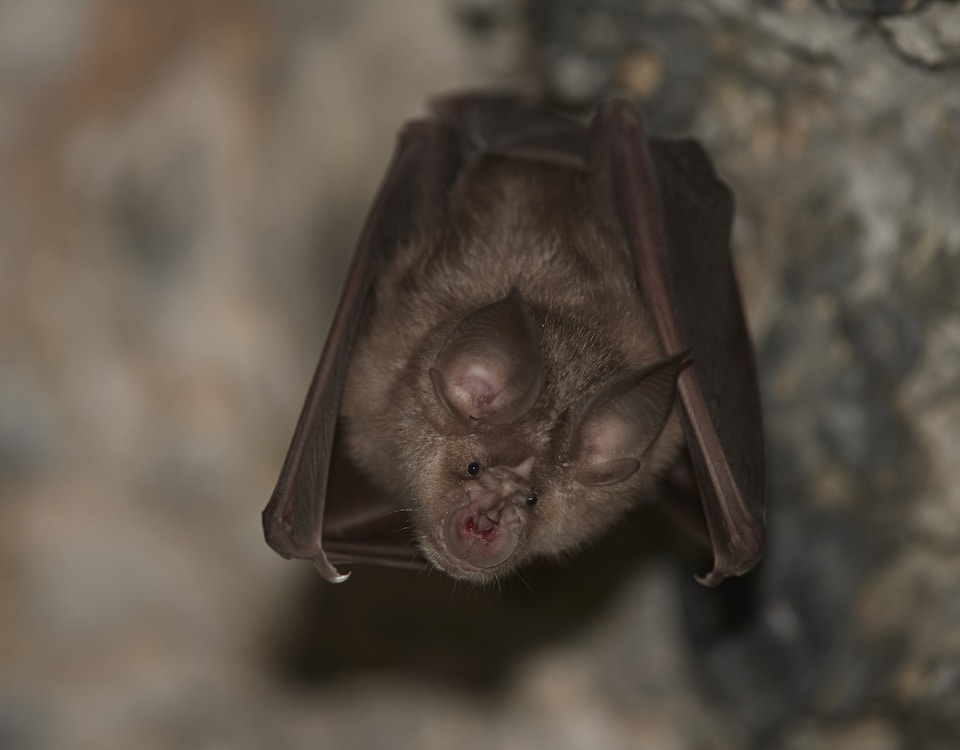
pixel 540 322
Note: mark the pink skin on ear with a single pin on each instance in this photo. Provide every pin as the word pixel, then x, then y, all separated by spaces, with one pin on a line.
pixel 490 368
pixel 477 390
pixel 621 421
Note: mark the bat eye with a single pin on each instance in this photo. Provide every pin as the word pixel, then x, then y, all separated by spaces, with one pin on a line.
pixel 532 500
pixel 473 469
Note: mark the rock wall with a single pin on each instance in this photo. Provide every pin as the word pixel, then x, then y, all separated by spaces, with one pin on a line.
pixel 181 184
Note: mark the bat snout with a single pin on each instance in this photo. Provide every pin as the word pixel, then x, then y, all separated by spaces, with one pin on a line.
pixel 482 533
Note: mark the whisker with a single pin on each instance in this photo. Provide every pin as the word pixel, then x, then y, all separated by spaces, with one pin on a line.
pixel 524 581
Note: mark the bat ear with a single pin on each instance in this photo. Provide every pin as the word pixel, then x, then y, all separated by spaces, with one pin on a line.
pixel 490 369
pixel 621 421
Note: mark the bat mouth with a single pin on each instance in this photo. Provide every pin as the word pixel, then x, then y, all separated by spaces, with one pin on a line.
pixel 478 536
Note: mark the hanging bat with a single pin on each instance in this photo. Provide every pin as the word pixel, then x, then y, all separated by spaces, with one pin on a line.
pixel 541 318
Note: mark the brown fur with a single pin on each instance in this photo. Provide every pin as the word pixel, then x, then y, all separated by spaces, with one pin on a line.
pixel 510 223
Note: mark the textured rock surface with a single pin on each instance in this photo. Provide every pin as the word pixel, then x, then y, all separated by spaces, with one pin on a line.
pixel 180 186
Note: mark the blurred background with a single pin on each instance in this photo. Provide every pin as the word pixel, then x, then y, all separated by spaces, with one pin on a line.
pixel 181 185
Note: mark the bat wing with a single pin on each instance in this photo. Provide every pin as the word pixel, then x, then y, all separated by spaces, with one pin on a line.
pixel 321 509
pixel 677 218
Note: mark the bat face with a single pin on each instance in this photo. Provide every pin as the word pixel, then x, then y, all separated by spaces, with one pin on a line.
pixel 476 525
pixel 523 426
pixel 488 510
pixel 539 316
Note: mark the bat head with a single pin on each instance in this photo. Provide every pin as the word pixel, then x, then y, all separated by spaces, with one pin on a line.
pixel 516 482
